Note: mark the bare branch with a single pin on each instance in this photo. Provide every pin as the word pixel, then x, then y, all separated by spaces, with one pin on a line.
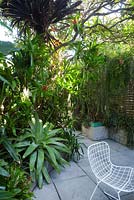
pixel 98 24
pixel 96 8
pixel 114 11
pixel 93 12
pixel 119 22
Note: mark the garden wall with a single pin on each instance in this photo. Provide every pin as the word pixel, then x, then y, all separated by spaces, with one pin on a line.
pixel 120 136
pixel 126 100
pixel 126 105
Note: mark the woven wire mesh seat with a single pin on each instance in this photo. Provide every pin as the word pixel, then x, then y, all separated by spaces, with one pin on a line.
pixel 120 178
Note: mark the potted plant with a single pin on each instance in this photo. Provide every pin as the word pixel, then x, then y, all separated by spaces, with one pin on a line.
pixel 95 129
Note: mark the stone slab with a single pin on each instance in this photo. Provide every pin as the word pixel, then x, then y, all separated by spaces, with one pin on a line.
pixel 85 166
pixel 128 196
pixel 48 192
pixel 79 188
pixel 68 172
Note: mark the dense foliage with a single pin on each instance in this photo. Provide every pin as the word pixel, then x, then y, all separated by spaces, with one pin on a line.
pixel 29 87
pixel 16 185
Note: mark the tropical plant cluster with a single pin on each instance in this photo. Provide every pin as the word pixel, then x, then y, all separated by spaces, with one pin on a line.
pixel 33 117
pixel 33 112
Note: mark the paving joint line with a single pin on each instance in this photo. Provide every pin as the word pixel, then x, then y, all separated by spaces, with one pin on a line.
pixel 72 178
pixel 56 190
pixel 92 180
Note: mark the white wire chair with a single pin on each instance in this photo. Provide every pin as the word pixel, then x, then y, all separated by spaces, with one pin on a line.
pixel 120 178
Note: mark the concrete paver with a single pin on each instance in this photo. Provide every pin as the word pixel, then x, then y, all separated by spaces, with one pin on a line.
pixel 128 197
pixel 69 172
pixel 78 189
pixel 76 182
pixel 48 192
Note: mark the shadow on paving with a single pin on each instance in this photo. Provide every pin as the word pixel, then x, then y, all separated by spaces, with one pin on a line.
pixel 77 182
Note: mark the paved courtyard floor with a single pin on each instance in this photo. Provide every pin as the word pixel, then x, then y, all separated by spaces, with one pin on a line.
pixel 76 182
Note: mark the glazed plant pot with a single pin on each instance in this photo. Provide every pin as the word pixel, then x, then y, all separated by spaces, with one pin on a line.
pixel 96 124
pixel 96 131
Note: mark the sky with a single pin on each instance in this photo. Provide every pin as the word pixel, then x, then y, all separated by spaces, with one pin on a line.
pixel 6 35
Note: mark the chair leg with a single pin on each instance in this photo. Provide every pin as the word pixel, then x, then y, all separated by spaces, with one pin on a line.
pixel 113 197
pixel 95 190
pixel 119 195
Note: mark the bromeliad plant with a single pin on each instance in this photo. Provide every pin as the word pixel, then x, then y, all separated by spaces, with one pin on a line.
pixel 39 15
pixel 41 146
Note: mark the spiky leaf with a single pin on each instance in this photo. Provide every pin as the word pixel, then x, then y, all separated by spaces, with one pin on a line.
pixel 33 158
pixel 40 160
pixel 30 149
pixel 45 174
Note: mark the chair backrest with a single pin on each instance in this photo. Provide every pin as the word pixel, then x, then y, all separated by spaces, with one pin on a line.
pixel 99 159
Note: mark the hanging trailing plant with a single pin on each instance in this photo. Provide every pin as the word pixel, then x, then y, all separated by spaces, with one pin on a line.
pixel 37 14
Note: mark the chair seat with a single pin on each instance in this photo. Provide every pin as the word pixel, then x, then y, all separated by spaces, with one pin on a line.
pixel 119 178
pixel 130 185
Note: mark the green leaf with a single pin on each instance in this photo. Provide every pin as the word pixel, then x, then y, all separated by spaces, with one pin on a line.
pixel 52 158
pixel 56 143
pixel 63 161
pixel 6 195
pixel 22 144
pixel 36 126
pixel 40 160
pixel 54 139
pixel 40 180
pixel 30 149
pixel 9 147
pixel 33 158
pixel 26 136
pixel 62 149
pixel 51 153
pixel 4 80
pixel 45 174
pixel 53 132
pixel 3 172
pixel 3 163
pixel 20 149
pixel 59 158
